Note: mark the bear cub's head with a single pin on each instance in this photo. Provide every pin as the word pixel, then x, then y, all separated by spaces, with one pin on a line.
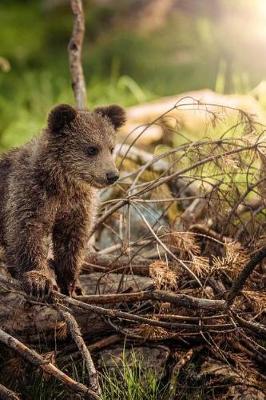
pixel 84 142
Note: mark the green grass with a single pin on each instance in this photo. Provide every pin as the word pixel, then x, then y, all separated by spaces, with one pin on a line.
pixel 121 64
pixel 130 380
pixel 24 105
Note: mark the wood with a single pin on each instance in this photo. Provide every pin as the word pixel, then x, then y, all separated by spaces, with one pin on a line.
pixel 173 110
pixel 7 394
pixel 37 360
pixel 91 309
pixel 181 300
pixel 77 337
pixel 239 282
pixel 75 53
pixel 255 327
pixel 114 263
pixel 154 184
pixel 99 345
pixel 27 317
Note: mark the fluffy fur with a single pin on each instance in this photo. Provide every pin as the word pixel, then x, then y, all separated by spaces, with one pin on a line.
pixel 48 194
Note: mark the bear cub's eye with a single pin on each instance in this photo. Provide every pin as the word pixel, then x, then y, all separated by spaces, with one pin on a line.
pixel 92 151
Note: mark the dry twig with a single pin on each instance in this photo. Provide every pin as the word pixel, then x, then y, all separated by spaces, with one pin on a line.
pixel 77 337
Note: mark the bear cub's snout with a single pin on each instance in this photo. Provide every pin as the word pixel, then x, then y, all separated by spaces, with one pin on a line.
pixel 112 177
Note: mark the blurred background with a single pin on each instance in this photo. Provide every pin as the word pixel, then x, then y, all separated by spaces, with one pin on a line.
pixel 135 51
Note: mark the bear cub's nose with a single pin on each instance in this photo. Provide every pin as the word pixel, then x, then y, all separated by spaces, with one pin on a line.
pixel 111 177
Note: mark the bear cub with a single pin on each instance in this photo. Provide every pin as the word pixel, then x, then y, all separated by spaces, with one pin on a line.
pixel 49 195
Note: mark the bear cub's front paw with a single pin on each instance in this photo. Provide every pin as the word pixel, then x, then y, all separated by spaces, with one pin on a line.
pixel 37 284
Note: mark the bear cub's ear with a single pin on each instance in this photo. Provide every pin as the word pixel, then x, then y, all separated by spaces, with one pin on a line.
pixel 115 114
pixel 60 116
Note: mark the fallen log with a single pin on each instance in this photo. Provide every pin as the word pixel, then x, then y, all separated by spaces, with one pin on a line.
pixel 23 314
pixel 26 316
pixel 190 111
pixel 113 263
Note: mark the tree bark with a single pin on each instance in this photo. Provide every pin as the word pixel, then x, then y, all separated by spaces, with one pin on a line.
pixel 75 53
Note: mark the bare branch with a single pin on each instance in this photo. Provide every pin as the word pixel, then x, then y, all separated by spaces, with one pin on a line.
pixel 36 359
pixel 153 184
pixel 77 337
pixel 255 327
pixel 7 394
pixel 75 52
pixel 181 300
pixel 239 283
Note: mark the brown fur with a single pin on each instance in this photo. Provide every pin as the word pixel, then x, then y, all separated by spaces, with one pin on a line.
pixel 49 193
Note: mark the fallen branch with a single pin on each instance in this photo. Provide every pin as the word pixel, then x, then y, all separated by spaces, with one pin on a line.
pixel 77 337
pixel 239 283
pixel 255 327
pixel 99 345
pixel 209 233
pixel 181 300
pixel 36 359
pixel 7 394
pixel 251 353
pixel 154 184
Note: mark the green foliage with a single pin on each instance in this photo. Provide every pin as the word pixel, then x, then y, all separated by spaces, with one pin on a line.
pixel 121 62
pixel 24 104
